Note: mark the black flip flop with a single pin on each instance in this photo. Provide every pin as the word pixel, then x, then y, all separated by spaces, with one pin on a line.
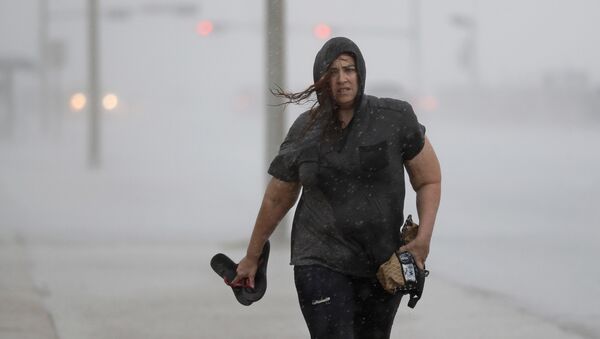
pixel 226 269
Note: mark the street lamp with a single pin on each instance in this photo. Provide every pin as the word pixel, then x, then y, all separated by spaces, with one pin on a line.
pixel 77 102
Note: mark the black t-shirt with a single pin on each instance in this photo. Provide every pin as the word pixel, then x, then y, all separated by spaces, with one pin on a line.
pixel 352 201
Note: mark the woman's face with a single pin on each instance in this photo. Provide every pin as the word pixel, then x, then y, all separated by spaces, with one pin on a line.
pixel 343 81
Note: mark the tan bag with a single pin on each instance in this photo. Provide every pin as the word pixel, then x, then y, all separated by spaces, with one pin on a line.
pixel 390 274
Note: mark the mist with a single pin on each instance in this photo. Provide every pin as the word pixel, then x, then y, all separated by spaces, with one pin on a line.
pixel 509 93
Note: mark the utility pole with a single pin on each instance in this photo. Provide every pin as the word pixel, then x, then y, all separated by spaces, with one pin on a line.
pixel 93 85
pixel 7 123
pixel 468 54
pixel 43 63
pixel 275 75
pixel 8 68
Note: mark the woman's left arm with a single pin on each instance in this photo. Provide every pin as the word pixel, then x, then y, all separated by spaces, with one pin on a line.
pixel 426 179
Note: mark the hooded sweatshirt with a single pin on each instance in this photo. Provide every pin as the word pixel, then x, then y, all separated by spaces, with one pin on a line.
pixel 351 208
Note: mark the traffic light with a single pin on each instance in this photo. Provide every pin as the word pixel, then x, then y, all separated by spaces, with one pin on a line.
pixel 204 28
pixel 322 31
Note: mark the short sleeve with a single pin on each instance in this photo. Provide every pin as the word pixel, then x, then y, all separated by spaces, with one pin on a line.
pixel 413 139
pixel 285 165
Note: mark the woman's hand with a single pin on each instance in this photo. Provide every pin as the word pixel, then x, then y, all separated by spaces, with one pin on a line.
pixel 419 248
pixel 246 271
pixel 279 197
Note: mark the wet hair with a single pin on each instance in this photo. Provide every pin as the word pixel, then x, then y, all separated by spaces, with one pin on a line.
pixel 323 107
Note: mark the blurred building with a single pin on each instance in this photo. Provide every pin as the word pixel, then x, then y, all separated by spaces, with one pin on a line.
pixel 560 96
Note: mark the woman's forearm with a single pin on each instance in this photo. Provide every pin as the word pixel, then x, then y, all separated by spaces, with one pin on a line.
pixel 428 201
pixel 278 199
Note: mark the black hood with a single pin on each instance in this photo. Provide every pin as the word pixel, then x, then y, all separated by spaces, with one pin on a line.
pixel 330 51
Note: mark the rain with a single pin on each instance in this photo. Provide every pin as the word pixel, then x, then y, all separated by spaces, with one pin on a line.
pixel 108 220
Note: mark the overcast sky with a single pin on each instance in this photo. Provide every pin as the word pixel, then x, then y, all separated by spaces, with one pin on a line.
pixel 518 42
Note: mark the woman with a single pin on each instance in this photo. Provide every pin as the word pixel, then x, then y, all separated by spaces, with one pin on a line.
pixel 348 153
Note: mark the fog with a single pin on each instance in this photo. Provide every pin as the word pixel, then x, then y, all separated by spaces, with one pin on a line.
pixel 509 92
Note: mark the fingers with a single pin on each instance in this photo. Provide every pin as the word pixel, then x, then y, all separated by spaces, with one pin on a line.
pixel 245 272
pixel 419 259
pixel 236 282
pixel 242 279
pixel 416 253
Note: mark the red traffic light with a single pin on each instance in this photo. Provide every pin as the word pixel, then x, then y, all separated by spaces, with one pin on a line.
pixel 204 27
pixel 322 31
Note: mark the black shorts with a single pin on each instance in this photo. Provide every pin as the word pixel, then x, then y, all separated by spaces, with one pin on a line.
pixel 335 305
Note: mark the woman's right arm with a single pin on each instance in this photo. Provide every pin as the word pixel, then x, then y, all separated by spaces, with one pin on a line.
pixel 279 197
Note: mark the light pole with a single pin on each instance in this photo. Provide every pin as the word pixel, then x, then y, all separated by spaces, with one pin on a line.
pixel 8 67
pixel 43 62
pixel 93 85
pixel 275 68
pixel 468 54
pixel 275 75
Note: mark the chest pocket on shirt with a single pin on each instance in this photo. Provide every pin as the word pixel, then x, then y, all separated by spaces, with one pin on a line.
pixel 373 157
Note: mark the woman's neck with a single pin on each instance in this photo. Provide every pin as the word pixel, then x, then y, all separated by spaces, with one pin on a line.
pixel 345 116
